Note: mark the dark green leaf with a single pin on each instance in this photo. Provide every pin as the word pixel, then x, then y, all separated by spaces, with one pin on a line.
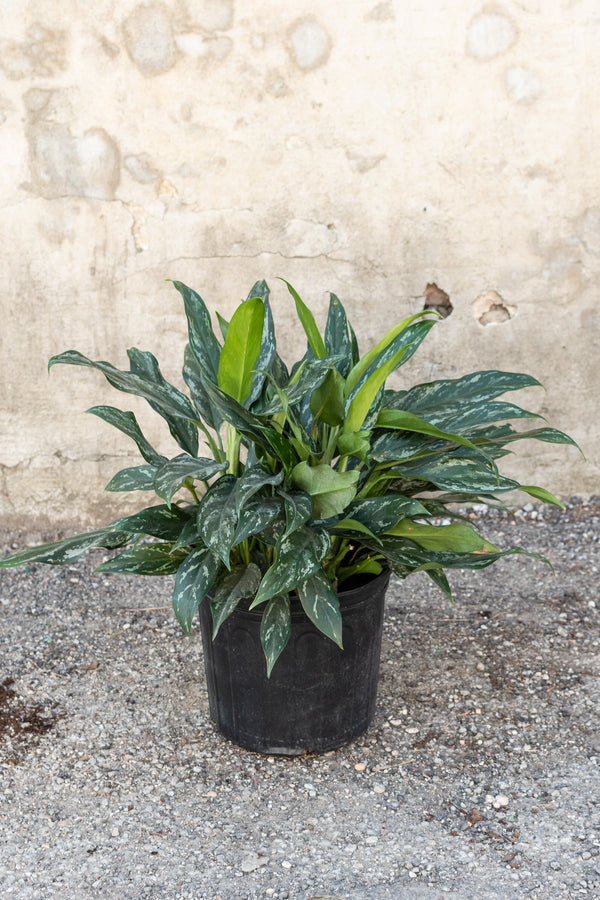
pixel 127 423
pixel 458 474
pixel 257 515
pixel 268 353
pixel 195 577
pixel 485 413
pixel 189 534
pixel 337 338
pixel 381 513
pixel 253 480
pixel 437 401
pixel 439 578
pixel 275 629
pixel 298 509
pixel 146 559
pixel 157 521
pixel 185 432
pixel 68 550
pixel 174 404
pixel 203 342
pixel 322 606
pixel 298 556
pixel 193 377
pixel 136 478
pixel 217 518
pixel 173 473
pixel 238 585
pixel 327 400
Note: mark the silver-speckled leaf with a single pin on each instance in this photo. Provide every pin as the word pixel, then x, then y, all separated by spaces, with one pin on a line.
pixel 146 559
pixel 217 518
pixel 275 629
pixel 239 584
pixel 173 473
pixel 298 556
pixel 322 606
pixel 134 478
pixel 195 578
pixel 157 521
pixel 67 550
pixel 127 423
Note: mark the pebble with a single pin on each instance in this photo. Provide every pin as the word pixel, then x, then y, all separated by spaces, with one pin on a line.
pixel 252 862
pixel 500 801
pixel 360 767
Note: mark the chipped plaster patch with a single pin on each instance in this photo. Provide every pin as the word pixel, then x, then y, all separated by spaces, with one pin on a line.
pixel 211 15
pixel 489 35
pixel 149 39
pixel 587 228
pixel 139 231
pixel 522 85
pixel 310 44
pixel 491 309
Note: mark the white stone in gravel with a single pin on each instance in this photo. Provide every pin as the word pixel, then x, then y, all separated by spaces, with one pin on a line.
pixel 252 862
pixel 500 801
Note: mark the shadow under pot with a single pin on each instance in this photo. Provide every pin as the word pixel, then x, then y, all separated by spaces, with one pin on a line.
pixel 318 697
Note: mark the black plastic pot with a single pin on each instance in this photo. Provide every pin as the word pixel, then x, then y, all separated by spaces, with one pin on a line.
pixel 318 697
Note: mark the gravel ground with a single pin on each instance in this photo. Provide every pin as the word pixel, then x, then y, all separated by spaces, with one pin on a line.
pixel 479 777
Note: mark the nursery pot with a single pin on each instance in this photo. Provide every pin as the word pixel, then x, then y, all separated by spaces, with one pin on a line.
pixel 318 697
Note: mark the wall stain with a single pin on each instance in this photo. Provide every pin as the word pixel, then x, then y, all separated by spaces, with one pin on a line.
pixel 62 165
pixel 489 35
pixel 310 44
pixel 41 55
pixel 149 40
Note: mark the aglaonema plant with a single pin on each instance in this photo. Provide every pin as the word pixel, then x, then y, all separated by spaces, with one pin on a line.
pixel 315 476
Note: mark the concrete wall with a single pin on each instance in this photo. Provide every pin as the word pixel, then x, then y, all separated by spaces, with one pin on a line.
pixel 367 148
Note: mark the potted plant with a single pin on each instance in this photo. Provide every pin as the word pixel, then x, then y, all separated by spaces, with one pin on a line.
pixel 314 485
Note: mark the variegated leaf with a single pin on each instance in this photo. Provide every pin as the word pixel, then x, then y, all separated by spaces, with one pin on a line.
pixel 174 472
pixel 127 423
pixel 135 478
pixel 322 606
pixel 275 629
pixel 238 585
pixel 68 550
pixel 298 556
pixel 217 518
pixel 195 577
pixel 146 559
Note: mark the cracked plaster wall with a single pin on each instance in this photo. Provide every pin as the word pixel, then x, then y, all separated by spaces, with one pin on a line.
pixel 372 149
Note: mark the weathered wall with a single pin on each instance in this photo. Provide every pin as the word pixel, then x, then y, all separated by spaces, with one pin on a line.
pixel 364 147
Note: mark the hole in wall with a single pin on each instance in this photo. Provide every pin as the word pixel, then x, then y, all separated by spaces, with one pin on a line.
pixel 491 309
pixel 436 298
